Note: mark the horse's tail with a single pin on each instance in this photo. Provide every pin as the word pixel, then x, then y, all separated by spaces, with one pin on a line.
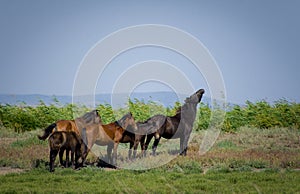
pixel 47 131
pixel 83 135
pixel 85 144
pixel 84 139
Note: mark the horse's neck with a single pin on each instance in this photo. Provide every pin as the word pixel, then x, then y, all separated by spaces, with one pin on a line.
pixel 187 110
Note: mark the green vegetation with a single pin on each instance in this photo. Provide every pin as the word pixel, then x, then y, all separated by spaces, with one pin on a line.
pixel 262 114
pixel 257 151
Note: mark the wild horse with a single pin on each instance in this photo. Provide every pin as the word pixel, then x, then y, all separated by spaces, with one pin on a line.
pixel 179 125
pixel 72 125
pixel 148 129
pixel 59 141
pixel 109 135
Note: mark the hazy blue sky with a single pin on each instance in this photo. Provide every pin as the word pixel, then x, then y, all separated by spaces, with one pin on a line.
pixel 255 42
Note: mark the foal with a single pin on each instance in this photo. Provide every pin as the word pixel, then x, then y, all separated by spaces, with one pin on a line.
pixel 59 141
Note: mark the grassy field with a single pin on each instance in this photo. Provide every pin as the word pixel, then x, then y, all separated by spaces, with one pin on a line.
pixel 248 161
pixel 95 180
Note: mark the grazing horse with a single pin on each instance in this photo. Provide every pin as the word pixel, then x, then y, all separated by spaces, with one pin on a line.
pixel 59 141
pixel 76 126
pixel 109 135
pixel 179 125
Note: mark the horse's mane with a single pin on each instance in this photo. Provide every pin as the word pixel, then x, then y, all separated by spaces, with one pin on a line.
pixel 88 118
pixel 179 110
pixel 182 108
pixel 120 121
pixel 151 118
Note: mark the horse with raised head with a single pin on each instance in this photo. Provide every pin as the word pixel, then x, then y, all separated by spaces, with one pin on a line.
pixel 180 125
pixel 60 141
pixel 109 135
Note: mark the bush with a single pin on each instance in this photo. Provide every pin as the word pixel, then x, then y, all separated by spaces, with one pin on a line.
pixel 259 115
pixel 263 115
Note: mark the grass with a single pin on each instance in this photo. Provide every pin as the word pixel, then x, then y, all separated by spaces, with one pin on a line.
pixel 95 180
pixel 248 161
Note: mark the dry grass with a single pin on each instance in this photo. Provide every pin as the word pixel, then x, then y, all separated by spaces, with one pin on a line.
pixel 250 148
pixel 272 148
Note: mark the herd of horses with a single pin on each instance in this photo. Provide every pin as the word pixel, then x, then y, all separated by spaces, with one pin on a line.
pixel 78 136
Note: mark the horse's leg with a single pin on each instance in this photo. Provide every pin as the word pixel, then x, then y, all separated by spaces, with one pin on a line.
pixel 186 138
pixel 115 154
pixel 72 158
pixel 109 150
pixel 181 145
pixel 130 150
pixel 78 154
pixel 156 141
pixel 149 137
pixel 90 141
pixel 52 156
pixel 135 146
pixel 142 141
pixel 67 157
pixel 81 152
pixel 84 150
pixel 61 154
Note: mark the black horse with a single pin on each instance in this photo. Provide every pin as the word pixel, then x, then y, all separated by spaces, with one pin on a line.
pixel 179 125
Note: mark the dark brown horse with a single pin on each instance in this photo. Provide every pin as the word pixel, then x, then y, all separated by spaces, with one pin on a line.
pixel 60 141
pixel 109 135
pixel 179 125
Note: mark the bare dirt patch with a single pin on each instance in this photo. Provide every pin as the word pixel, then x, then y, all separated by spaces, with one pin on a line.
pixel 8 170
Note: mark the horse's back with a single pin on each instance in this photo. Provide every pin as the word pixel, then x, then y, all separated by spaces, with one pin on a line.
pixel 95 133
pixel 67 125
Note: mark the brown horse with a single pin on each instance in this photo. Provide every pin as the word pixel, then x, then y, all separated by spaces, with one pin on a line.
pixel 59 141
pixel 109 135
pixel 179 125
pixel 72 125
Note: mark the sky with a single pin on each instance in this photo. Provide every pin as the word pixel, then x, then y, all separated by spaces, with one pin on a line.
pixel 255 44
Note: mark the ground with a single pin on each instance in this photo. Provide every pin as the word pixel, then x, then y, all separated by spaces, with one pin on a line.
pixel 250 160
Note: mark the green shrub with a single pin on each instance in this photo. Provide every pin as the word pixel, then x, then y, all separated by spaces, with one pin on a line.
pixel 261 114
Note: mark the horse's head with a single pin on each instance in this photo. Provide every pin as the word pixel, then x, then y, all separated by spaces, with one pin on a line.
pixel 127 121
pixel 196 97
pixel 97 117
